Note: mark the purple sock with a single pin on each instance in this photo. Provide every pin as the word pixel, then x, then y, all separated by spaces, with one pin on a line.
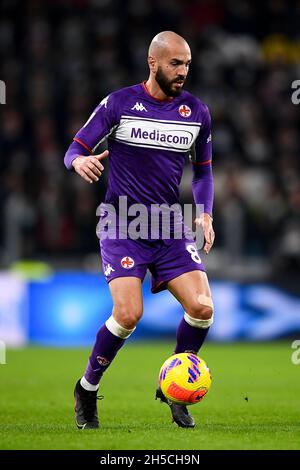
pixel 189 338
pixel 105 349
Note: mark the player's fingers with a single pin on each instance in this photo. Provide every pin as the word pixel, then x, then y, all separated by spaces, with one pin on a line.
pixel 90 174
pixel 207 247
pixel 96 162
pixel 210 236
pixel 102 155
pixel 93 168
pixel 84 176
pixel 206 234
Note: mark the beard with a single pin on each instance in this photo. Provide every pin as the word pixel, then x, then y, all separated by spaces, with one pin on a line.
pixel 166 84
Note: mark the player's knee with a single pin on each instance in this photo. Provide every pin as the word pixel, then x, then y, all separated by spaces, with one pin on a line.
pixel 127 315
pixel 200 310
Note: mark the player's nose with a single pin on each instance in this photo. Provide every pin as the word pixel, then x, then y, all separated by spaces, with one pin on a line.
pixel 181 75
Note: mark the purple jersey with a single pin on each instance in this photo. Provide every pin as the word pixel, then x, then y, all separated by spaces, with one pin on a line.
pixel 148 142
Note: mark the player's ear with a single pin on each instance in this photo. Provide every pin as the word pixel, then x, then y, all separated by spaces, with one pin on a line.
pixel 152 64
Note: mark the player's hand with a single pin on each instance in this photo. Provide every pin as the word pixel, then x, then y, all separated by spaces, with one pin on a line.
pixel 205 221
pixel 90 167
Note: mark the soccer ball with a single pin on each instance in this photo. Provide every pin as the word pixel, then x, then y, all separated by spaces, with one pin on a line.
pixel 185 379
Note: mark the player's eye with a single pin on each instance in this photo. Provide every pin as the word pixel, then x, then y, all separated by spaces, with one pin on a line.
pixel 176 63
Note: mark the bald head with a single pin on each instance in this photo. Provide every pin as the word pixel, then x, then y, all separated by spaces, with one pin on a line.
pixel 169 59
pixel 165 42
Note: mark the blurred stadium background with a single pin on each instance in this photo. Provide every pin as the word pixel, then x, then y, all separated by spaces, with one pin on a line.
pixel 59 58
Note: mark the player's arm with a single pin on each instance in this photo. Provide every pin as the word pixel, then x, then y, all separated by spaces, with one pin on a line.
pixel 203 184
pixel 81 155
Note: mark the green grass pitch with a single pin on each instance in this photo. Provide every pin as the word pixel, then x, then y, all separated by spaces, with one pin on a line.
pixel 253 402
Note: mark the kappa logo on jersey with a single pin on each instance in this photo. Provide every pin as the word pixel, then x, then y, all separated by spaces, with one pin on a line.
pixel 108 270
pixel 208 139
pixel 127 262
pixel 184 110
pixel 139 107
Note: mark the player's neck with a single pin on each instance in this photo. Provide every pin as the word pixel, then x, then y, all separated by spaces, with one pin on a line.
pixel 153 89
